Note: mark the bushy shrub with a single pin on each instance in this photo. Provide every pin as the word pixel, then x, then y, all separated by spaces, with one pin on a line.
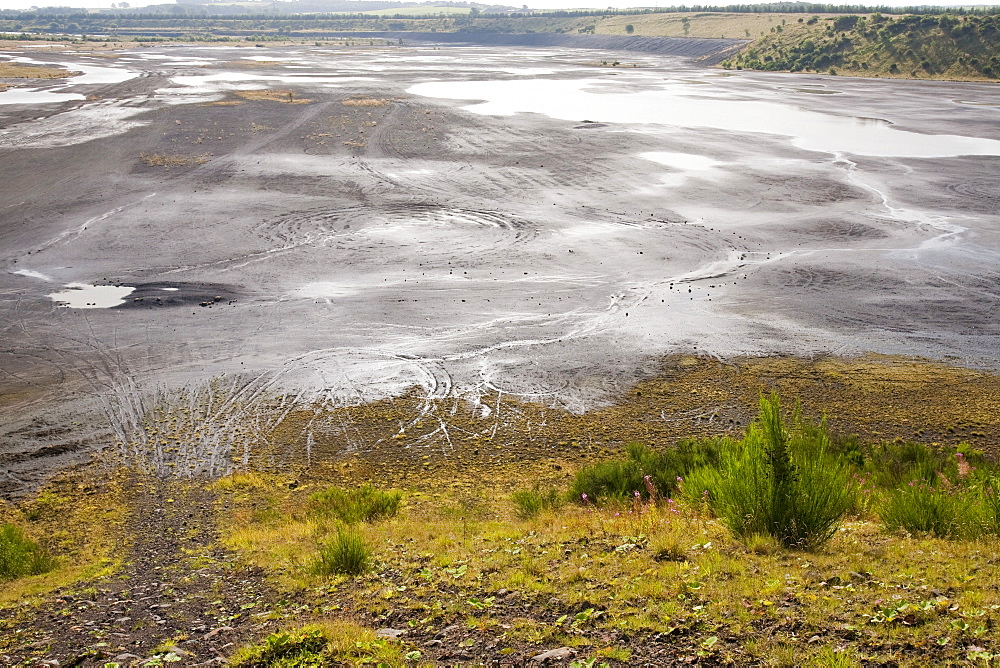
pixel 363 504
pixel 529 503
pixel 778 483
pixel 347 553
pixel 21 556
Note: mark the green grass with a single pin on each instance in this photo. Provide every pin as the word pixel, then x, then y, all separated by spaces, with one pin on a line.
pixel 303 647
pixel 21 556
pixel 325 643
pixel 346 553
pixel 646 472
pixel 943 511
pixel 361 504
pixel 531 502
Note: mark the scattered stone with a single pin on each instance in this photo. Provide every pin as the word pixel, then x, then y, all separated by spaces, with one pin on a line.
pixel 443 633
pixel 126 657
pixel 215 632
pixel 390 633
pixel 558 654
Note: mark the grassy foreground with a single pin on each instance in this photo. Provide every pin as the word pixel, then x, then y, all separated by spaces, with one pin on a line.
pixel 475 561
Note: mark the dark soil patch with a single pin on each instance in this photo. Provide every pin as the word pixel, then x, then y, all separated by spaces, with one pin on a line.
pixel 176 592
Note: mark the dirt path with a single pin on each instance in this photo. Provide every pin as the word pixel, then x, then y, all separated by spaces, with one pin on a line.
pixel 175 592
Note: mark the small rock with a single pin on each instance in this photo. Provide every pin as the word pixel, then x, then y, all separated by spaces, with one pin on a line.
pixel 125 658
pixel 558 654
pixel 215 632
pixel 390 633
pixel 443 633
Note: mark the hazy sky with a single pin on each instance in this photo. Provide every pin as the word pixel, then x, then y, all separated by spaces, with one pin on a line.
pixel 536 4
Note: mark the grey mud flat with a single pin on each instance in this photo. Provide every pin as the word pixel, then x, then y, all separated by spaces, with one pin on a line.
pixel 342 238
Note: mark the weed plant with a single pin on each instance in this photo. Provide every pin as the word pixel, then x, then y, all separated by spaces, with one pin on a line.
pixel 362 504
pixel 21 556
pixel 323 643
pixel 346 553
pixel 303 647
pixel 530 503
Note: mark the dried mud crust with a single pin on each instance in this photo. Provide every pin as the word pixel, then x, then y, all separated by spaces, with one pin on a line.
pixel 176 591
pixel 420 436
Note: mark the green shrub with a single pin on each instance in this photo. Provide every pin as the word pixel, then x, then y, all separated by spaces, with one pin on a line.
pixel 943 510
pixel 619 479
pixel 615 479
pixel 285 648
pixel 344 554
pixel 21 556
pixel 778 483
pixel 363 504
pixel 529 503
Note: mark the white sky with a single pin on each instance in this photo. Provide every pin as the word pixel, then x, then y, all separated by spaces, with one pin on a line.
pixel 535 4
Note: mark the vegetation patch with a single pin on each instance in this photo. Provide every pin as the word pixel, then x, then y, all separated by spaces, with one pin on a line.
pixel 484 559
pixel 9 70
pixel 319 644
pixel 169 160
pixel 21 556
pixel 944 46
pixel 362 504
pixel 364 102
pixel 283 96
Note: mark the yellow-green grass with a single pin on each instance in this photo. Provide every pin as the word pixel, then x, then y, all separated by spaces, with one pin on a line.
pixel 283 96
pixel 639 570
pixel 9 70
pixel 78 525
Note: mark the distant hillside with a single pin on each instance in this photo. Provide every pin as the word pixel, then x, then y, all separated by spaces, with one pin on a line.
pixel 925 45
pixel 936 46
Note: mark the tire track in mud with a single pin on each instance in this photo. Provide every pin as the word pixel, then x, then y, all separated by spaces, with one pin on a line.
pixel 400 230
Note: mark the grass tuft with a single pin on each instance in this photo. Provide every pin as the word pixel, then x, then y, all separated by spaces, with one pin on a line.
pixel 362 504
pixel 650 473
pixel 343 554
pixel 21 556
pixel 303 647
pixel 530 503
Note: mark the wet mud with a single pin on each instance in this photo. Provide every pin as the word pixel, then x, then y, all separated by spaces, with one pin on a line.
pixel 314 228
